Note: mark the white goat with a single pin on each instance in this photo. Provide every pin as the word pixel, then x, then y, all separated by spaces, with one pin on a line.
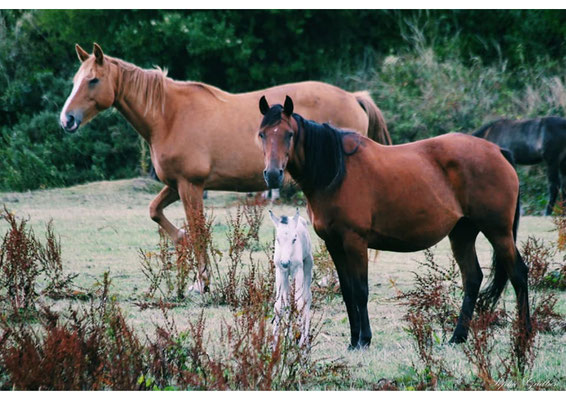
pixel 293 259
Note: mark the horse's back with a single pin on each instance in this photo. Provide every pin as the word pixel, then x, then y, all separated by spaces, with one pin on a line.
pixel 461 168
pixel 468 152
pixel 525 139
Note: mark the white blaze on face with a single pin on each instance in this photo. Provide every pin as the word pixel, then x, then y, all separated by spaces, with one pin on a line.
pixel 76 86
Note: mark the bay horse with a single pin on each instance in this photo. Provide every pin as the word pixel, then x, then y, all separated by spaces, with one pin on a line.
pixel 192 146
pixel 404 198
pixel 533 141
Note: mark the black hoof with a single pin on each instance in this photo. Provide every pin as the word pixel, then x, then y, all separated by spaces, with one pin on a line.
pixel 359 346
pixel 457 339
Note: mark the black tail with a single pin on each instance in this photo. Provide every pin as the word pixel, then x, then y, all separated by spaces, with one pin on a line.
pixel 498 279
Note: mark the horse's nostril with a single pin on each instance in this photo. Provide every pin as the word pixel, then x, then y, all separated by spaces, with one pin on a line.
pixel 265 173
pixel 280 172
pixel 70 121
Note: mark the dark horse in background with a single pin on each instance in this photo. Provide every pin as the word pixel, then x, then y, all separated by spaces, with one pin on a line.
pixel 399 198
pixel 533 141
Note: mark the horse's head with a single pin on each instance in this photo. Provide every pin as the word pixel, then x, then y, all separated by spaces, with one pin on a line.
pixel 277 134
pixel 93 89
pixel 288 249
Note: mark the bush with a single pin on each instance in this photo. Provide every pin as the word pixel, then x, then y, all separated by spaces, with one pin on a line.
pixel 434 305
pixel 94 348
pixel 29 268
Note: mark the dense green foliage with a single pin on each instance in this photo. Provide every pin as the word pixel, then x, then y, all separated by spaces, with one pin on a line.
pixel 429 71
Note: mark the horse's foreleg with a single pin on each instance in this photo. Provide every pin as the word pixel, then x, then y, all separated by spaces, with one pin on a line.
pixel 166 196
pixel 349 283
pixel 356 251
pixel 191 196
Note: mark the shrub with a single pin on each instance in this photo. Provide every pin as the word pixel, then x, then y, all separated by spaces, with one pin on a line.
pixel 433 305
pixel 88 350
pixel 24 260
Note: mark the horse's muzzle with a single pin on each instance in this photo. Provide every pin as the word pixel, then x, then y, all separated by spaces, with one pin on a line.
pixel 286 264
pixel 70 123
pixel 273 178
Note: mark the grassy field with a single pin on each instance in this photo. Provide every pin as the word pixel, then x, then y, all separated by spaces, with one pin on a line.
pixel 103 225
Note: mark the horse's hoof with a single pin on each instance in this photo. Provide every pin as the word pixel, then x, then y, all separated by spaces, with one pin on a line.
pixel 199 288
pixel 457 339
pixel 181 234
pixel 359 346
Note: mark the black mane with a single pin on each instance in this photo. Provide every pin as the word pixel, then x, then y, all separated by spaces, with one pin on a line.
pixel 325 162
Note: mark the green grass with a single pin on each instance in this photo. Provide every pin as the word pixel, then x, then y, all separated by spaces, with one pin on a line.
pixel 103 225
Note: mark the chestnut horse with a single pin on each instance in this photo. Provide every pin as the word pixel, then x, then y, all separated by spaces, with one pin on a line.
pixel 201 137
pixel 399 198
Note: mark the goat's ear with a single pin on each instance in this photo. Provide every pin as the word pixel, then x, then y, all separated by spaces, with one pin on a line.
pixel 296 217
pixel 97 50
pixel 274 218
pixel 288 106
pixel 263 106
pixel 81 53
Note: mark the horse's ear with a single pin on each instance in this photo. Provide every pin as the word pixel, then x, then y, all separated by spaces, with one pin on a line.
pixel 98 54
pixel 81 53
pixel 296 217
pixel 263 106
pixel 288 106
pixel 274 218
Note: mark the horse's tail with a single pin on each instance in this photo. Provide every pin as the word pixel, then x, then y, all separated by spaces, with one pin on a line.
pixel 482 132
pixel 499 277
pixel 377 128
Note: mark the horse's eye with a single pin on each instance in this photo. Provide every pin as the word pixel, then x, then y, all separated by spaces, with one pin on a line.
pixel 93 81
pixel 289 135
pixel 262 135
pixel 294 240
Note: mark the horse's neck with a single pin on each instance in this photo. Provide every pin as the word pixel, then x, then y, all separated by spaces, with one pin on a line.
pixel 133 107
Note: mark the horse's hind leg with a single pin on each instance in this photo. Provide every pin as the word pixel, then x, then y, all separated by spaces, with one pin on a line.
pixel 563 181
pixel 507 256
pixel 462 241
pixel 553 174
pixel 166 196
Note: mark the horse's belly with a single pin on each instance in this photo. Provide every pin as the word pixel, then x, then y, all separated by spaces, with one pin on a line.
pixel 525 155
pixel 236 184
pixel 387 243
pixel 412 234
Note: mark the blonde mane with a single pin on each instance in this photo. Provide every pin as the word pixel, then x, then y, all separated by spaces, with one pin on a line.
pixel 149 83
